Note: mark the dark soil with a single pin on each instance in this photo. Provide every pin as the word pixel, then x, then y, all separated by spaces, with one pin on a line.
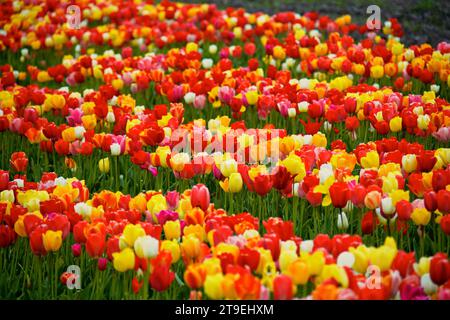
pixel 423 20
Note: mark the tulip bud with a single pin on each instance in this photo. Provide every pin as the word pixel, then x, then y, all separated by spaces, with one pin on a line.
pixel 110 117
pixel 103 165
pixel 76 249
pixel 342 221
pixel 102 264
pixel 387 206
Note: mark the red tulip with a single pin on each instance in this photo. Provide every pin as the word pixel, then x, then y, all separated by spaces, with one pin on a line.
pixel 404 210
pixel 283 229
pixel 404 262
pixel 112 246
pixel 263 184
pixel 445 224
pixel 339 193
pixel 249 257
pixel 357 195
pixel 439 269
pixel 322 241
pixel 4 180
pixel 200 196
pixel 430 200
pixel 102 264
pixel 7 236
pixel 282 287
pixel 36 241
pixel 271 242
pixel 95 244
pixel 161 277
pixel 19 161
pixel 59 222
pixel 443 201
pixel 426 161
pixel 369 223
pixel 440 179
pixel 78 231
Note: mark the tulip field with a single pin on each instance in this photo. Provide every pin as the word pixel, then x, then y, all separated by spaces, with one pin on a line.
pixel 161 150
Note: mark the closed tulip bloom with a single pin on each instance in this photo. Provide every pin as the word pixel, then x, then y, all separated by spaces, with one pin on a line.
pixel 235 182
pixel 395 124
pixel 298 271
pixel 404 210
pixel 76 249
pixel 421 216
pixel 200 196
pixel 172 230
pixel 227 167
pixel 115 149
pixel 283 287
pixel 173 247
pixel 409 162
pixel 387 206
pixel 130 233
pixel 146 247
pixel 195 275
pixel 370 160
pixel 342 221
pixel 103 165
pixel 440 269
pixel 52 240
pixel 190 247
pixel 340 194
pixel 95 244
pixel 443 201
pixel 372 200
pixel 213 286
pixel 377 72
pixel 445 224
pixel 124 260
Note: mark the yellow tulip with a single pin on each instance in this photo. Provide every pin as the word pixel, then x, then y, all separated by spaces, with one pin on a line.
pixel 421 216
pixel 235 182
pixel 52 240
pixel 370 160
pixel 103 165
pixel 172 230
pixel 287 257
pixel 124 260
pixel 395 124
pixel 279 53
pixel 173 247
pixel 383 257
pixel 315 261
pixel 252 97
pixel 213 286
pixel 376 72
pixel 131 232
pixel 298 270
pixel 190 247
pixel 156 204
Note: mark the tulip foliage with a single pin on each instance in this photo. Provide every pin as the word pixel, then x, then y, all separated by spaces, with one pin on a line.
pixel 175 151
